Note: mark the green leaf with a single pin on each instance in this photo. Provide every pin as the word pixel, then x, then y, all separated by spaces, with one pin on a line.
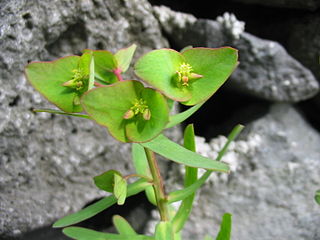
pixel 158 68
pixel 105 181
pixel 91 74
pixel 180 117
pixel 140 163
pixel 120 189
pixel 186 48
pixel 108 109
pixel 48 77
pixel 225 227
pixel 62 113
pixel 104 63
pixel 189 190
pixel 122 226
pixel 124 57
pixel 173 151
pixel 215 65
pixel 317 197
pixel 164 231
pixel 234 133
pixel 191 175
pixel 99 206
pixel 190 77
pixel 80 233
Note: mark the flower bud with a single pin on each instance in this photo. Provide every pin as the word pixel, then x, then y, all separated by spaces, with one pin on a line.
pixel 129 114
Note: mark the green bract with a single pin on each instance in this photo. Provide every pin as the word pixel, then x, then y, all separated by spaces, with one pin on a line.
pixel 131 112
pixel 108 66
pixel 63 81
pixel 189 77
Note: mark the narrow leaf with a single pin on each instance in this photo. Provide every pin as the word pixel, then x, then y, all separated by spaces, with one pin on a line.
pixel 234 133
pixel 173 151
pixel 180 117
pixel 122 226
pixel 91 75
pixel 80 233
pixel 164 231
pixel 317 197
pixel 99 206
pixel 60 112
pixel 124 57
pixel 191 175
pixel 184 193
pixel 140 163
pixel 105 181
pixel 225 227
pixel 120 189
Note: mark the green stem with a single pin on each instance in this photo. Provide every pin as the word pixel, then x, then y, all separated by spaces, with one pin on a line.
pixel 158 185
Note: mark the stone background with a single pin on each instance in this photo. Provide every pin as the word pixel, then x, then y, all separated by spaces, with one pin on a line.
pixel 47 162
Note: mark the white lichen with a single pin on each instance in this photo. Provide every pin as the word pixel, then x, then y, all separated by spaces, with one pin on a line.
pixel 231 25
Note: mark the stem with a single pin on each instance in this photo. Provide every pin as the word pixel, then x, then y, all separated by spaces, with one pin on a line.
pixel 158 185
pixel 117 72
pixel 99 84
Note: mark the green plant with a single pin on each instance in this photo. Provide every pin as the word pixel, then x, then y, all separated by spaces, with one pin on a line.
pixel 137 114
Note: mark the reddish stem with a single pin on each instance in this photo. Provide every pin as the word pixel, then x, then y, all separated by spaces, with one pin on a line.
pixel 98 84
pixel 117 72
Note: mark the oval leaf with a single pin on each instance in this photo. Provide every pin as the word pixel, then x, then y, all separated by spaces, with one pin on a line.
pixel 215 66
pixel 48 77
pixel 124 57
pixel 158 68
pixel 105 181
pixel 120 189
pixel 109 105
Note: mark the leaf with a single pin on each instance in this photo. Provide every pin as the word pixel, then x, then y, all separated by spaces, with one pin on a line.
pixel 164 231
pixel 173 151
pixel 122 226
pixel 124 57
pixel 189 190
pixel 120 189
pixel 158 69
pixel 180 117
pixel 80 233
pixel 104 105
pixel 191 175
pixel 48 77
pixel 104 63
pixel 99 206
pixel 215 65
pixel 234 133
pixel 225 227
pixel 62 113
pixel 140 163
pixel 105 181
pixel 91 74
pixel 317 197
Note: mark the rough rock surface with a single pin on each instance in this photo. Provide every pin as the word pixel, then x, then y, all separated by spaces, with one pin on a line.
pixel 266 70
pixel 307 4
pixel 270 192
pixel 46 161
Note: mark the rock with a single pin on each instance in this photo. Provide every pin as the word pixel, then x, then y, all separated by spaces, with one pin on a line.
pixel 47 162
pixel 266 70
pixel 307 4
pixel 270 191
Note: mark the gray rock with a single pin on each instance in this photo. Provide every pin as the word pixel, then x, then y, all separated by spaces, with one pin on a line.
pixel 270 191
pixel 47 162
pixel 266 70
pixel 298 4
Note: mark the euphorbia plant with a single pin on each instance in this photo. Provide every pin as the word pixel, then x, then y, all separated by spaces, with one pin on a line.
pixel 137 111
